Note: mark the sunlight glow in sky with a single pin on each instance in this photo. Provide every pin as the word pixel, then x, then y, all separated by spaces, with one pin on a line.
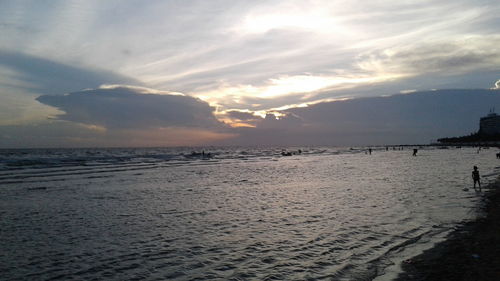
pixel 253 57
pixel 306 85
pixel 310 21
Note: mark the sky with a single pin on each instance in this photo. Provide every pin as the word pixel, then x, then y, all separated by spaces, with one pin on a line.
pixel 233 72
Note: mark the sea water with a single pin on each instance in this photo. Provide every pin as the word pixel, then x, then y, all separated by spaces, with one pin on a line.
pixel 228 213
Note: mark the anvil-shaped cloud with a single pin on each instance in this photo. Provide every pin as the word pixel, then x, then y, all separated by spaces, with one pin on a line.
pixel 122 107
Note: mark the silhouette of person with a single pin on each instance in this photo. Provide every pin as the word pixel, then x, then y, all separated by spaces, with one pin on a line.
pixel 415 152
pixel 370 151
pixel 476 178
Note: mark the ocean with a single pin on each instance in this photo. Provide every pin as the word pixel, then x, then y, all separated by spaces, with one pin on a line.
pixel 327 213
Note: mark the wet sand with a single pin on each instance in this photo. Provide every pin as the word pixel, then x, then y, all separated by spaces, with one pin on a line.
pixel 472 252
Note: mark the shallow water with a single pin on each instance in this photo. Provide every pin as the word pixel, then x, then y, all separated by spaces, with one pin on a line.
pixel 240 214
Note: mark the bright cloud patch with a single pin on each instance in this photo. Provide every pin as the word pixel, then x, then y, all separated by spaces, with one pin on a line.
pixel 497 85
pixel 301 86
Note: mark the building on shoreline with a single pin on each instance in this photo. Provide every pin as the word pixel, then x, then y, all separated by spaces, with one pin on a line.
pixel 488 134
pixel 490 124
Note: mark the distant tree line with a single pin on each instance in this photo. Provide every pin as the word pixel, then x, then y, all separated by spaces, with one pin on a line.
pixel 474 137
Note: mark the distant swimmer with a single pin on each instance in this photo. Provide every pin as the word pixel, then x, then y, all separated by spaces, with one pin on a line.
pixel 476 178
pixel 415 152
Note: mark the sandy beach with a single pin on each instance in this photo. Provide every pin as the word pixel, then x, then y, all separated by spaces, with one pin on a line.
pixel 472 252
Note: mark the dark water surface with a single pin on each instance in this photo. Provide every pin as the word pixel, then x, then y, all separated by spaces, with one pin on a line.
pixel 236 214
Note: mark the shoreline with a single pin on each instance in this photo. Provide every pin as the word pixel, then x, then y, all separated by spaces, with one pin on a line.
pixel 471 252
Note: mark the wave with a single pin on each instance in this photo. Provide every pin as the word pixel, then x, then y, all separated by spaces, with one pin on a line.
pixel 31 165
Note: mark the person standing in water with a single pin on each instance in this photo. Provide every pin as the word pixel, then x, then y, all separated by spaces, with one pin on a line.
pixel 476 178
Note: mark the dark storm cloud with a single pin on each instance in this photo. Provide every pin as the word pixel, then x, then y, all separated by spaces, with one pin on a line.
pixel 412 118
pixel 50 77
pixel 130 108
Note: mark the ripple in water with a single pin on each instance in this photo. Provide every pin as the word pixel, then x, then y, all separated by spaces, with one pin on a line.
pixel 327 213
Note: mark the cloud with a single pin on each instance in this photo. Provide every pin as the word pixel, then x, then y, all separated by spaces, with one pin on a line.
pixel 497 85
pixel 240 115
pixel 23 77
pixel 445 58
pixel 45 76
pixel 413 118
pixel 267 46
pixel 119 115
pixel 132 108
